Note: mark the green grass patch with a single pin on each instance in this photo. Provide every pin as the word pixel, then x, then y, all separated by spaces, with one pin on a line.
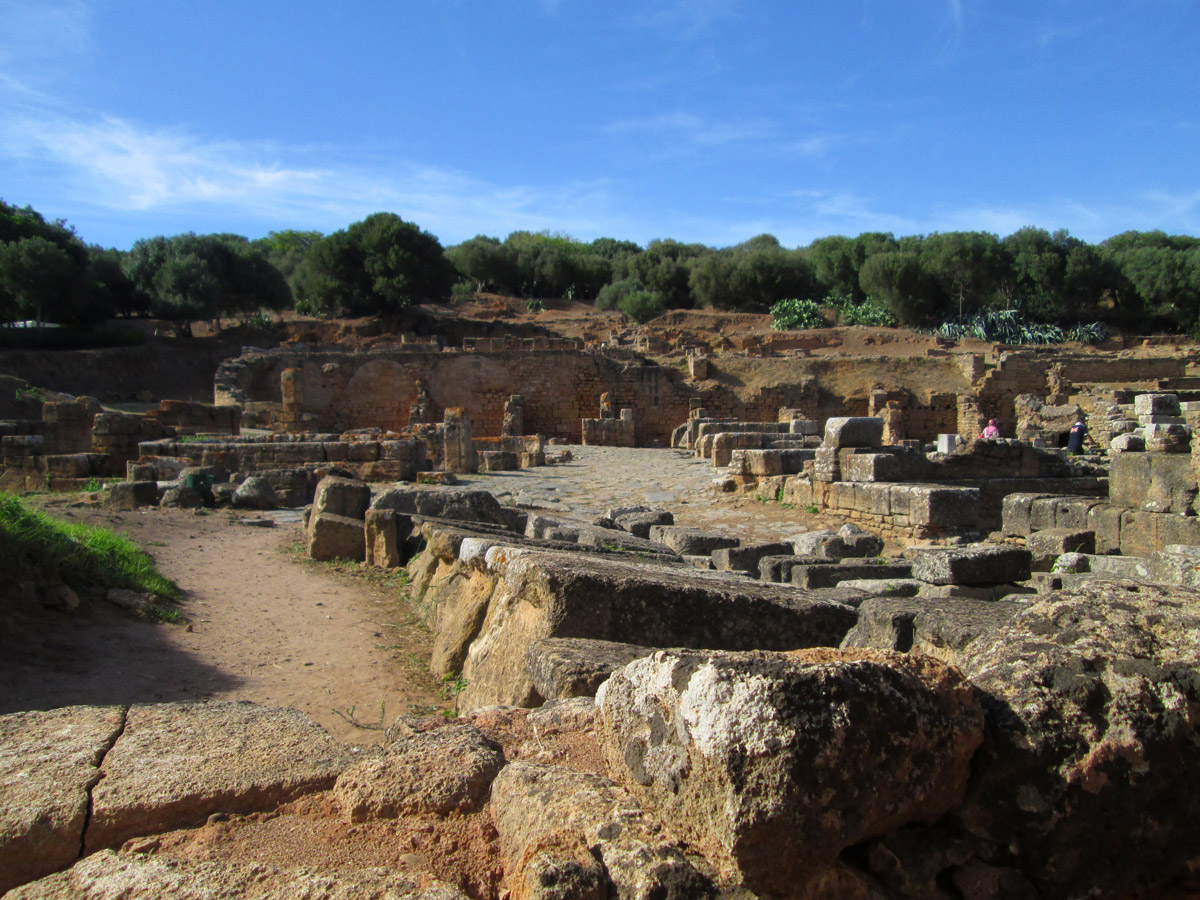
pixel 38 546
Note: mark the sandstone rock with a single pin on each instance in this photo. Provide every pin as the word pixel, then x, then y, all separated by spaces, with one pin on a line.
pixel 181 497
pixel 1049 544
pixel 971 564
pixel 464 504
pixel 772 764
pixel 558 866
pixel 341 497
pixel 255 493
pixel 336 537
pixel 858 542
pixel 824 544
pixel 544 594
pixel 746 559
pixel 1127 443
pixel 441 771
pixel 382 536
pixel 132 494
pixel 49 761
pixel 177 763
pixel 638 521
pixel 688 541
pixel 540 810
pixel 853 431
pixel 576 667
pixel 107 875
pixel 1093 707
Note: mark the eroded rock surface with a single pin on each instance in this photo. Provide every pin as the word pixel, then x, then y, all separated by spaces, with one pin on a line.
pixel 49 761
pixel 773 763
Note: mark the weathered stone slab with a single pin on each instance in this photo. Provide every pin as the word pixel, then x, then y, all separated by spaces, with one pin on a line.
pixel 858 542
pixel 336 537
pixel 971 564
pixel 544 594
pixel 463 504
pixel 1156 405
pixel 778 569
pixel 576 667
pixel 132 494
pixel 255 493
pixel 688 541
pixel 177 763
pixel 49 761
pixel 1091 698
pixel 133 876
pixel 749 755
pixel 638 522
pixel 445 770
pixel 853 431
pixel 810 577
pixel 382 536
pixel 1051 543
pixel 940 628
pixel 825 544
pixel 746 559
pixel 342 497
pixel 538 808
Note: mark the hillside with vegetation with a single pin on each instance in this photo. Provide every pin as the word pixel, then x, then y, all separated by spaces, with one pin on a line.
pixel 1030 286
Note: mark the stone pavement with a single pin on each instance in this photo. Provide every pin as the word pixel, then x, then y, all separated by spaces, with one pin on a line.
pixel 599 478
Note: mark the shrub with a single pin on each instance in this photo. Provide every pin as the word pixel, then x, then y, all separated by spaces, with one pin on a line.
pixel 535 306
pixel 867 313
pixel 642 306
pixel 462 291
pixel 792 314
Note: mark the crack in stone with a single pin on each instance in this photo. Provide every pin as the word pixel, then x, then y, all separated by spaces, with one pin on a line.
pixel 87 819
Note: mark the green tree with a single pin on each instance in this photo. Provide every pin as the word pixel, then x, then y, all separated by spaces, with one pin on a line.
pixel 377 266
pixel 966 267
pixel 40 278
pixel 486 262
pixel 642 306
pixel 897 279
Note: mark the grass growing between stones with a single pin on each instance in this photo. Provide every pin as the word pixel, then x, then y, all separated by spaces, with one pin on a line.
pixel 38 547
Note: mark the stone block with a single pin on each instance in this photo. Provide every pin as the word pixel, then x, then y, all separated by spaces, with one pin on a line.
pixel 853 431
pixel 970 564
pixel 343 497
pixel 824 544
pixel 763 462
pixel 826 576
pixel 871 467
pixel 1156 405
pixel 576 667
pixel 1127 443
pixel 1173 438
pixel 132 494
pixel 332 536
pixel 383 538
pixel 687 541
pixel 497 461
pixel 746 559
pixel 778 569
pixel 860 543
pixel 942 508
pixel 1157 482
pixel 1048 545
pixel 746 753
pixel 1104 520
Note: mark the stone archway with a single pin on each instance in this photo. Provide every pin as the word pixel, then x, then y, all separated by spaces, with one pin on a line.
pixel 378 395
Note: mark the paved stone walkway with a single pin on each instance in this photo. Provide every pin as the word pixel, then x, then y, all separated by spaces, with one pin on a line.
pixel 599 478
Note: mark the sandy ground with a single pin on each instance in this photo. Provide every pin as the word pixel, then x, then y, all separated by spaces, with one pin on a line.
pixel 337 642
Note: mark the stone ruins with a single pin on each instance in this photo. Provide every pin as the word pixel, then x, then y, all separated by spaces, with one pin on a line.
pixel 984 684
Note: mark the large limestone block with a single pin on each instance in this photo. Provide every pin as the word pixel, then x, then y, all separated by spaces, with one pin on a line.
pixel 132 494
pixel 971 564
pixel 441 771
pixel 175 764
pixel 49 761
pixel 1156 482
pixel 336 537
pixel 747 559
pixel 772 764
pixel 941 628
pixel 853 431
pixel 547 810
pixel 341 497
pixel 576 667
pixel 255 492
pixel 463 504
pixel 107 875
pixel 1093 715
pixel 544 594
pixel 688 541
pixel 638 521
pixel 382 535
pixel 1156 405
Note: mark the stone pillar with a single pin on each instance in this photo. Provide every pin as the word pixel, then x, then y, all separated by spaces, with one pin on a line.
pixel 893 423
pixel 514 416
pixel 291 386
pixel 698 367
pixel 459 446
pixel 606 407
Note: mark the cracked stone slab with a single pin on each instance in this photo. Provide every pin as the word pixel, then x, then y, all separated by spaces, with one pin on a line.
pixel 177 763
pixel 49 761
pixel 106 875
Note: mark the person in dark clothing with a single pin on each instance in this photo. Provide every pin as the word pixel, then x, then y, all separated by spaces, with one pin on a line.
pixel 1079 432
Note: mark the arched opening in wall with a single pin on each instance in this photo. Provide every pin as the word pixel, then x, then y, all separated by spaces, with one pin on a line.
pixel 378 395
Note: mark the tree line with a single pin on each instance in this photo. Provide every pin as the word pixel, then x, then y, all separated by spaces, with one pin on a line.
pixel 382 264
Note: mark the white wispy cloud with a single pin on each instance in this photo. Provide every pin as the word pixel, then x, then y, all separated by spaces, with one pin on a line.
pixel 683 132
pixel 112 164
pixel 43 36
pixel 685 19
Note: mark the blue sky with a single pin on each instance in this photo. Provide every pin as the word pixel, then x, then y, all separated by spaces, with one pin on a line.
pixel 700 120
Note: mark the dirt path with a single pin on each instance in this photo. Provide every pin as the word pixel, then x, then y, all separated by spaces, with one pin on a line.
pixel 268 627
pixel 262 627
